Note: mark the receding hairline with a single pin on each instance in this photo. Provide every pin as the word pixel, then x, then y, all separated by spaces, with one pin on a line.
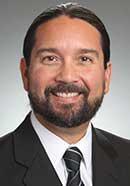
pixel 73 18
pixel 72 10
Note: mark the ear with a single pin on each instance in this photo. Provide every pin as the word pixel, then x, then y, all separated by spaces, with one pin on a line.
pixel 24 73
pixel 108 72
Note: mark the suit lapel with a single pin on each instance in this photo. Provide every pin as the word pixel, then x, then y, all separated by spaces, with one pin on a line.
pixel 104 160
pixel 30 154
pixel 41 172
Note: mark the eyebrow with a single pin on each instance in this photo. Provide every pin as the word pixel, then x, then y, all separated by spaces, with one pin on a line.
pixel 42 50
pixel 86 50
pixel 80 50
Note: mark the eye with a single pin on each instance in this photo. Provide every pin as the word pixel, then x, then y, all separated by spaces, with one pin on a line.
pixel 49 59
pixel 86 59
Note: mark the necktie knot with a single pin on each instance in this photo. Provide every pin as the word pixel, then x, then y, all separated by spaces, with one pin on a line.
pixel 72 158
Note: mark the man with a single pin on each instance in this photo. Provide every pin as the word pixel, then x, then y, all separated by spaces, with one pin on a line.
pixel 66 72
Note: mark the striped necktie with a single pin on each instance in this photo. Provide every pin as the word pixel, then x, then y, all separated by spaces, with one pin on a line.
pixel 72 158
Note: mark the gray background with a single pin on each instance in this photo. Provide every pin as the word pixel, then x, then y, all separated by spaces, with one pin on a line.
pixel 15 18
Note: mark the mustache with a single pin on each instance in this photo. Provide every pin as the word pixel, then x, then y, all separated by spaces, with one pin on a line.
pixel 66 88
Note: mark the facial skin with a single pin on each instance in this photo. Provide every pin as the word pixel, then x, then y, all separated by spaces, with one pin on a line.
pixel 67 57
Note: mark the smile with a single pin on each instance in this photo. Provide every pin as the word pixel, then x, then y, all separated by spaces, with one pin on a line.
pixel 67 95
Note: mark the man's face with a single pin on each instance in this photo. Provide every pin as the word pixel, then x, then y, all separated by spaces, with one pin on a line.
pixel 66 79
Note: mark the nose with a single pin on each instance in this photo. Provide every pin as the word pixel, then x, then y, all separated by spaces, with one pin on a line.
pixel 67 74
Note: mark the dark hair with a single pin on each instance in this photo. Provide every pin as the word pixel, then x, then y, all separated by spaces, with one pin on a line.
pixel 71 10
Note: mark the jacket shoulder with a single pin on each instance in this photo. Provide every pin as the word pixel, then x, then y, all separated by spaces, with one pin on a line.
pixel 5 141
pixel 120 144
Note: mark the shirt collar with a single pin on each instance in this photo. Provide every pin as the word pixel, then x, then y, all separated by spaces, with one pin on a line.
pixel 56 147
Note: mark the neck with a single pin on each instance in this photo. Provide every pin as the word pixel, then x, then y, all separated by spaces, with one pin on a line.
pixel 70 135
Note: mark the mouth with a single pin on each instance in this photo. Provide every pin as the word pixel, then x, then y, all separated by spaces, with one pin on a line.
pixel 66 95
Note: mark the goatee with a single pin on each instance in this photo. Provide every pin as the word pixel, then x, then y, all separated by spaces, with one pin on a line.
pixel 68 115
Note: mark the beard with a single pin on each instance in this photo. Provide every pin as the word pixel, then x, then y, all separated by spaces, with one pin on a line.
pixel 67 115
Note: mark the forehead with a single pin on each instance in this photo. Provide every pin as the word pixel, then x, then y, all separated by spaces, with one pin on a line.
pixel 67 31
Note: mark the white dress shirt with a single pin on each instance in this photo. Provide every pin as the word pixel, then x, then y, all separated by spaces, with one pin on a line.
pixel 55 148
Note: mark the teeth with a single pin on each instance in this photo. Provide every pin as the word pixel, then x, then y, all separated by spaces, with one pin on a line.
pixel 67 95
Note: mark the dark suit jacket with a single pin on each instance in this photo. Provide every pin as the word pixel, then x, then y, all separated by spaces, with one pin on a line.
pixel 24 162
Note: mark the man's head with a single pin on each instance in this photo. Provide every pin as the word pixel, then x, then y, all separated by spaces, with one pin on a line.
pixel 71 10
pixel 66 68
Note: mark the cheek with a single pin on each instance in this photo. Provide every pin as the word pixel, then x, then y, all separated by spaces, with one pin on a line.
pixel 39 80
pixel 94 80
